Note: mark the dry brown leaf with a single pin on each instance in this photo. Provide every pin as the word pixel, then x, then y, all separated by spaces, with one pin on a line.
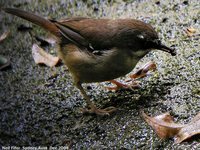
pixel 42 57
pixel 191 129
pixel 165 127
pixel 4 35
pixel 190 31
pixel 142 72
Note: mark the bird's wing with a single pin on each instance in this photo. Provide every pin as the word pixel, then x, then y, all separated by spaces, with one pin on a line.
pixel 96 34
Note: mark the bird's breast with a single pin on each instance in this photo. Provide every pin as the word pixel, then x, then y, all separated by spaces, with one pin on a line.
pixel 86 67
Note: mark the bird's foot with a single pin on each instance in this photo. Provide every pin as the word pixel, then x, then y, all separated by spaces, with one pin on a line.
pixel 119 85
pixel 142 72
pixel 102 112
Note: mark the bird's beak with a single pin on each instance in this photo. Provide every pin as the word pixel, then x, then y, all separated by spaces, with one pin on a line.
pixel 166 49
pixel 158 45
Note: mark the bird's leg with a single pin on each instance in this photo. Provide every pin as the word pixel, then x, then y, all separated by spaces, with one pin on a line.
pixel 92 107
pixel 142 72
pixel 120 85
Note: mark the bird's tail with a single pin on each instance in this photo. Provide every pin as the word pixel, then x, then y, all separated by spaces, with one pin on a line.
pixel 45 23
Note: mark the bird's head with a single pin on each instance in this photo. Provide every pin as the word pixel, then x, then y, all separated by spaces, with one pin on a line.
pixel 142 38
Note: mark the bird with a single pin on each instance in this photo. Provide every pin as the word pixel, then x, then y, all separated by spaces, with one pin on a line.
pixel 98 50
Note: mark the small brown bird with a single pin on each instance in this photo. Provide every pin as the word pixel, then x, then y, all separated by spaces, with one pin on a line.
pixel 97 50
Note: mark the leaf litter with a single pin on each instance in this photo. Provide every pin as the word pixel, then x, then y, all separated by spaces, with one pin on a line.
pixel 165 127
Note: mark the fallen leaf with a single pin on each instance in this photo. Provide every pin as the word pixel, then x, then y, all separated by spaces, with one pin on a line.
pixel 165 127
pixel 191 129
pixel 4 36
pixel 142 72
pixel 42 57
pixel 190 31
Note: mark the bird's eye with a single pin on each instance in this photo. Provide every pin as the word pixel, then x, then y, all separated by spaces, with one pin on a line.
pixel 140 36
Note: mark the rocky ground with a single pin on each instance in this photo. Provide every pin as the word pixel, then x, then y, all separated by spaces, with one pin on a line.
pixel 40 106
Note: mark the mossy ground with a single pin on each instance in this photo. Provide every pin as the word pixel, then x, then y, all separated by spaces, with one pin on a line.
pixel 38 107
